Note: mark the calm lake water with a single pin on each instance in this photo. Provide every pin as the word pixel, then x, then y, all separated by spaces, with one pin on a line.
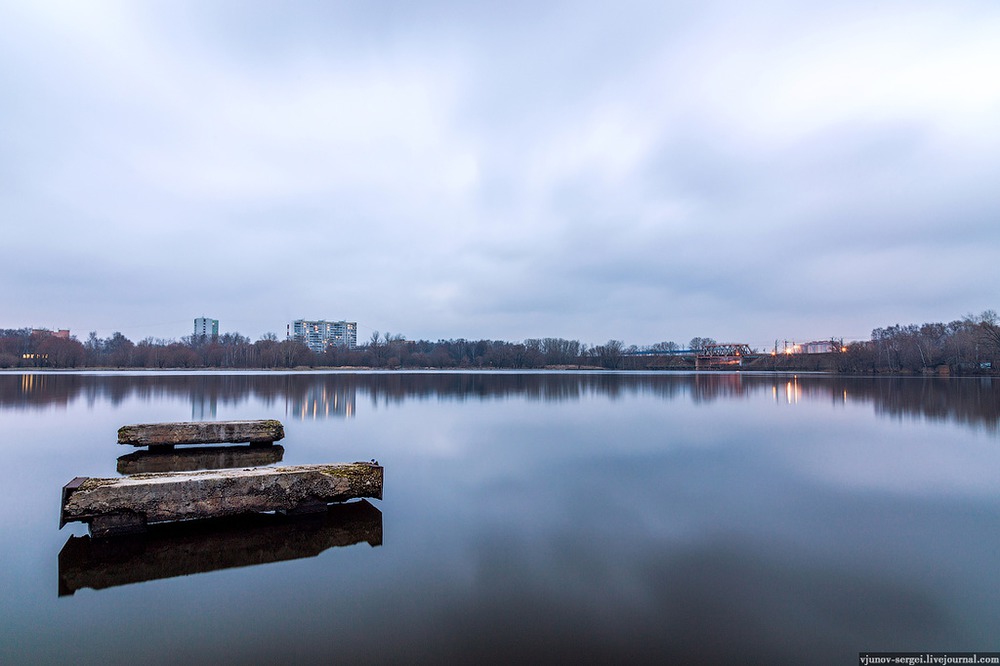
pixel 528 517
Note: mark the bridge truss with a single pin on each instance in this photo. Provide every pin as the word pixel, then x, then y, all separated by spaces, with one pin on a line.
pixel 724 354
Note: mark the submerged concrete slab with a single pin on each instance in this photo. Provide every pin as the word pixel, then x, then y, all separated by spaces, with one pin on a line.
pixel 263 431
pixel 128 504
pixel 202 457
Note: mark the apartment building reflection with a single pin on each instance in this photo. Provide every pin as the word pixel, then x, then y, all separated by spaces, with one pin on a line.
pixel 322 401
pixel 204 406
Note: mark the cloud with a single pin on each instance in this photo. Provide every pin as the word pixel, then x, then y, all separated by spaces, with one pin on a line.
pixel 658 171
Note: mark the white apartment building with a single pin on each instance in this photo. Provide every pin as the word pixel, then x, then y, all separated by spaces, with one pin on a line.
pixel 318 335
pixel 206 326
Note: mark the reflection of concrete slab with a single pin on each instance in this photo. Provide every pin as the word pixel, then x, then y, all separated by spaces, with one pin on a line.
pixel 203 457
pixel 181 549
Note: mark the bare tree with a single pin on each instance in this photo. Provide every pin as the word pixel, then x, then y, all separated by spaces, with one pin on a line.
pixel 988 324
pixel 609 355
pixel 698 344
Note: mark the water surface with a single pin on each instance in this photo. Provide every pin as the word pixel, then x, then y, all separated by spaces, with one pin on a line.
pixel 527 517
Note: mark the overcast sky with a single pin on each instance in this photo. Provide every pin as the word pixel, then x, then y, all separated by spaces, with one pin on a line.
pixel 646 171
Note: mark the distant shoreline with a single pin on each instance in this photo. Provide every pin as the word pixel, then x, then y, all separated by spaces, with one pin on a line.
pixel 471 370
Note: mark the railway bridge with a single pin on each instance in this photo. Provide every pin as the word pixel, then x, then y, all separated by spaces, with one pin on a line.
pixel 718 355
pixel 724 354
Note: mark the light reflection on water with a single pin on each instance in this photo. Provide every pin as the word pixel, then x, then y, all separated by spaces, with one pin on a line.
pixel 535 516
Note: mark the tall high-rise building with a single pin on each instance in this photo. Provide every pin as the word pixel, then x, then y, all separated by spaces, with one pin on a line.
pixel 318 335
pixel 206 326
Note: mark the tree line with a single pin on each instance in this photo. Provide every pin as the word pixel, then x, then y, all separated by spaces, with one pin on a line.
pixel 965 346
pixel 970 345
pixel 27 348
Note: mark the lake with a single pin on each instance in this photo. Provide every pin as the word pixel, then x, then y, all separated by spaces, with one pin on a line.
pixel 527 517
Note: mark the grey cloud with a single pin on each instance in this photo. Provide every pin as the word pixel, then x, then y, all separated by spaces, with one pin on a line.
pixel 645 172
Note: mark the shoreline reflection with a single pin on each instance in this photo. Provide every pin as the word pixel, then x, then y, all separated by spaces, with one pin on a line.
pixel 314 396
